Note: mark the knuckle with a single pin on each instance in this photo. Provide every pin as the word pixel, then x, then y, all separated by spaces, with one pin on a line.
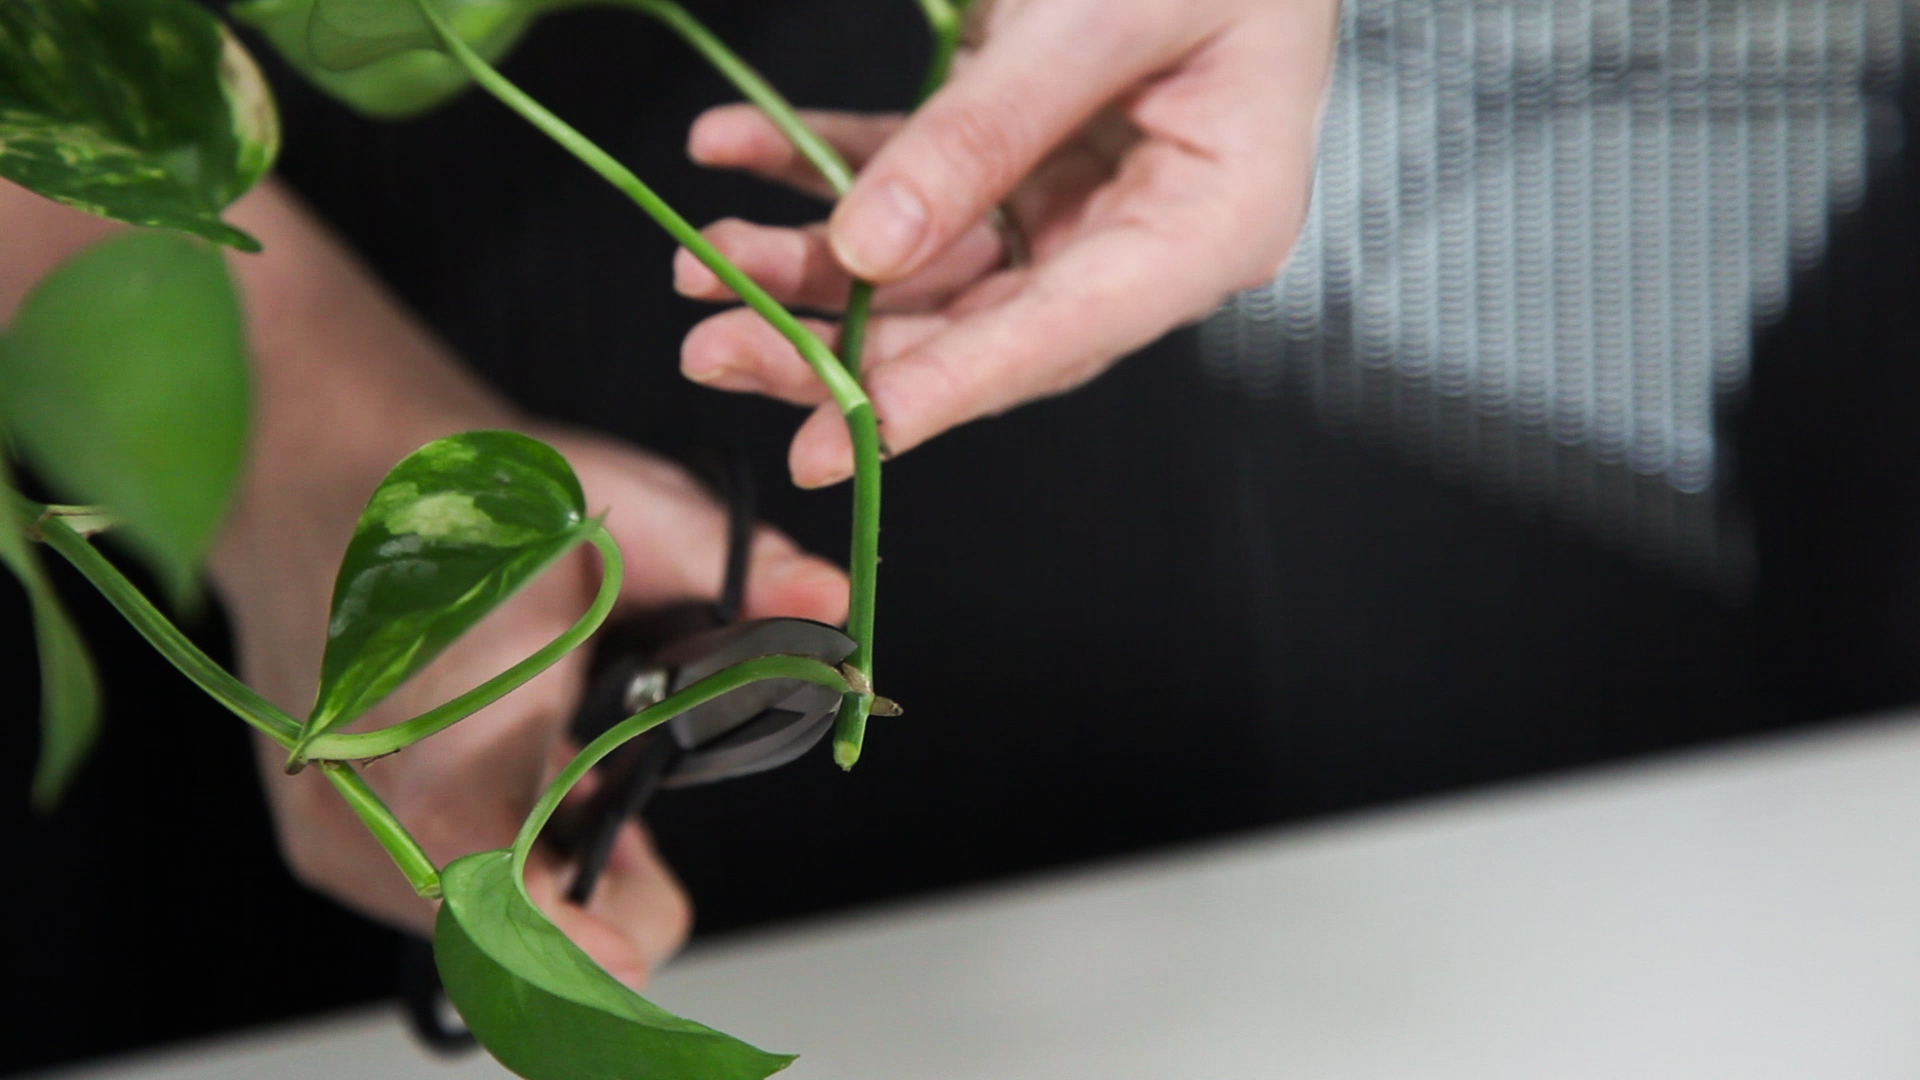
pixel 978 142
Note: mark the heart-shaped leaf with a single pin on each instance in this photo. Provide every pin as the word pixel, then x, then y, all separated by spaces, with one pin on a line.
pixel 453 530
pixel 146 111
pixel 397 82
pixel 69 684
pixel 125 383
pixel 545 1009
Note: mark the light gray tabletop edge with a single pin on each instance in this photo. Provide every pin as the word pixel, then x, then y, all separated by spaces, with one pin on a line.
pixel 1736 910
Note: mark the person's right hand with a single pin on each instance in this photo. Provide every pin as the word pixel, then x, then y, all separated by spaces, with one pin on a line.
pixel 347 385
pixel 467 788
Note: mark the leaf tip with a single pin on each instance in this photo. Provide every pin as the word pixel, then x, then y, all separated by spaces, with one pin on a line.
pixel 237 239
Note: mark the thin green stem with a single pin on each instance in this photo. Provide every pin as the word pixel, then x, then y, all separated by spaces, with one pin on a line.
pixel 863 562
pixel 940 14
pixel 849 728
pixel 359 745
pixel 237 696
pixel 947 19
pixel 841 384
pixel 406 852
pixel 219 684
pixel 714 685
pixel 754 88
pixel 945 45
pixel 853 328
pixel 845 388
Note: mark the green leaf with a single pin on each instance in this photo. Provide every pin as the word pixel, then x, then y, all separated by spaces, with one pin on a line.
pixel 146 111
pixel 379 56
pixel 69 684
pixel 125 383
pixel 546 1010
pixel 454 530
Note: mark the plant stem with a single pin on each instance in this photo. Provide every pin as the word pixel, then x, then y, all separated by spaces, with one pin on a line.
pixel 853 328
pixel 946 19
pixel 400 844
pixel 358 745
pixel 845 389
pixel 219 684
pixel 714 685
pixel 847 393
pixel 754 88
pixel 863 562
pixel 237 696
pixel 940 14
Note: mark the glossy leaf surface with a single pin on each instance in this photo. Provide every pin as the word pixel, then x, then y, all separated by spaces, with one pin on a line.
pixel 546 1010
pixel 145 111
pixel 69 683
pixel 380 58
pixel 453 531
pixel 125 383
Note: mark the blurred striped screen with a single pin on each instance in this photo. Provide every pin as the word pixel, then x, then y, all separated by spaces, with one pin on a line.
pixel 1544 233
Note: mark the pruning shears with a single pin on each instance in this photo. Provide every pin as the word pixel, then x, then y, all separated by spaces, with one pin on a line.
pixel 639 663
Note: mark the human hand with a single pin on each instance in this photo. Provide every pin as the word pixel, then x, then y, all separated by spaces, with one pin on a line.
pixel 1154 155
pixel 468 788
pixel 346 384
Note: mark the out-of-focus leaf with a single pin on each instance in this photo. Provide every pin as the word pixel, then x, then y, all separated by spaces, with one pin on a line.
pixel 545 1009
pixel 453 531
pixel 379 56
pixel 69 684
pixel 146 111
pixel 125 383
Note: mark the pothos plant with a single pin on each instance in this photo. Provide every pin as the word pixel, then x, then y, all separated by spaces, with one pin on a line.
pixel 124 385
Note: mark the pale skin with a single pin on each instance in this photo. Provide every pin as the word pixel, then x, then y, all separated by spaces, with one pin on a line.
pixel 1157 156
pixel 347 384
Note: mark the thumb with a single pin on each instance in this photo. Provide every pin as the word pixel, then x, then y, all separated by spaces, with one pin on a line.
pixel 1044 71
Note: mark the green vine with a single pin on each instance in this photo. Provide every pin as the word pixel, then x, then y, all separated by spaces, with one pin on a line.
pixel 363 665
pixel 862 425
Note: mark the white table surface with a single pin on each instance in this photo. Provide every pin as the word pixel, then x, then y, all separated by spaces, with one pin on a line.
pixel 1749 912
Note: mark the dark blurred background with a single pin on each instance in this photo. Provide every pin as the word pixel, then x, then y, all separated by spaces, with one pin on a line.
pixel 1159 609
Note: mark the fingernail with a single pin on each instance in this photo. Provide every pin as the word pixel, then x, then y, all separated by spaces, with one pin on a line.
pixel 878 233
pixel 700 142
pixel 733 378
pixel 827 478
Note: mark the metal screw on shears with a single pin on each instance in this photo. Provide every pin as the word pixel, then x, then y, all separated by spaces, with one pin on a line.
pixel 649 688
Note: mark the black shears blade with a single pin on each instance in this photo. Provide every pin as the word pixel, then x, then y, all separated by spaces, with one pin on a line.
pixel 757 727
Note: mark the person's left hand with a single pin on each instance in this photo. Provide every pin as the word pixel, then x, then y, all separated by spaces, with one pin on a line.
pixel 1155 155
